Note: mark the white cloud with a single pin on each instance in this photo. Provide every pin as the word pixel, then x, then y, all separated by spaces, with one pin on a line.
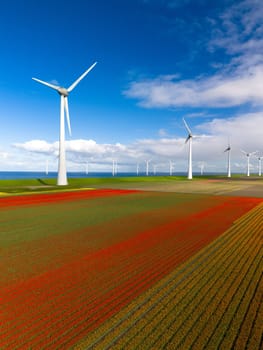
pixel 38 146
pixel 215 91
pixel 238 31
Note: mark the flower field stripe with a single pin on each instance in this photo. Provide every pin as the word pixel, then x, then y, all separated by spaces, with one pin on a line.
pixel 192 295
pixel 245 255
pixel 59 307
pixel 195 262
pixel 242 304
pixel 135 285
pixel 34 199
pixel 244 335
pixel 183 252
pixel 255 339
pixel 142 240
pixel 173 292
pixel 199 315
pixel 158 320
pixel 35 230
pixel 216 311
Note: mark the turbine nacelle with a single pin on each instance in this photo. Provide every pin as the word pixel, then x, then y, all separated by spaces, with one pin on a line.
pixel 62 91
pixel 249 154
pixel 190 136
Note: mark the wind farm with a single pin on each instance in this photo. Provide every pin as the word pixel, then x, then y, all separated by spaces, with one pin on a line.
pixel 142 228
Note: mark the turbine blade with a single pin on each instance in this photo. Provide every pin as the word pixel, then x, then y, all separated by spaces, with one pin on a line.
pixel 67 114
pixel 47 84
pixel 81 77
pixel 187 127
pixel 244 152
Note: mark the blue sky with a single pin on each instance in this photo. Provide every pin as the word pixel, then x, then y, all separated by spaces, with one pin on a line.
pixel 158 61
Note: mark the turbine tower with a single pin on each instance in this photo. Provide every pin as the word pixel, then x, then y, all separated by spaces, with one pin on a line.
pixel 47 167
pixel 137 169
pixel 63 92
pixel 228 149
pixel 259 165
pixel 189 139
pixel 147 166
pixel 202 166
pixel 87 168
pixel 113 167
pixel 248 160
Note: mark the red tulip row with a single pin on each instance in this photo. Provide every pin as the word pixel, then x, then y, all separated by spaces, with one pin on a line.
pixel 43 198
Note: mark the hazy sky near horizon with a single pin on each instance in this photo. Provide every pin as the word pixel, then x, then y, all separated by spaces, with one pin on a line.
pixel 158 61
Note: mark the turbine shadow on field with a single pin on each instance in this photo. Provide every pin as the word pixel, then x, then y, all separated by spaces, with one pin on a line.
pixel 42 182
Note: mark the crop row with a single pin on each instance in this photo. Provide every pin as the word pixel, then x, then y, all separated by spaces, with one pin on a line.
pixel 127 272
pixel 206 309
pixel 34 199
pixel 62 305
pixel 36 239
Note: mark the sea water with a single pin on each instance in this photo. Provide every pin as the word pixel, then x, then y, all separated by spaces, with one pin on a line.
pixel 14 175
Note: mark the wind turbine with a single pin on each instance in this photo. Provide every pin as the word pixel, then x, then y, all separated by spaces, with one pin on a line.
pixel 63 92
pixel 170 168
pixel 147 166
pixel 228 149
pixel 259 164
pixel 190 140
pixel 87 168
pixel 47 167
pixel 137 169
pixel 113 167
pixel 248 158
pixel 201 166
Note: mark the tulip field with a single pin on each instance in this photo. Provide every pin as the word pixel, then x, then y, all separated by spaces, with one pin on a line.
pixel 128 269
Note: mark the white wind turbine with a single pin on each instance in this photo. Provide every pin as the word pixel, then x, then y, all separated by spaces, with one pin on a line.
pixel 113 167
pixel 190 140
pixel 201 166
pixel 248 155
pixel 170 167
pixel 228 149
pixel 87 168
pixel 137 169
pixel 63 92
pixel 46 166
pixel 147 166
pixel 259 165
